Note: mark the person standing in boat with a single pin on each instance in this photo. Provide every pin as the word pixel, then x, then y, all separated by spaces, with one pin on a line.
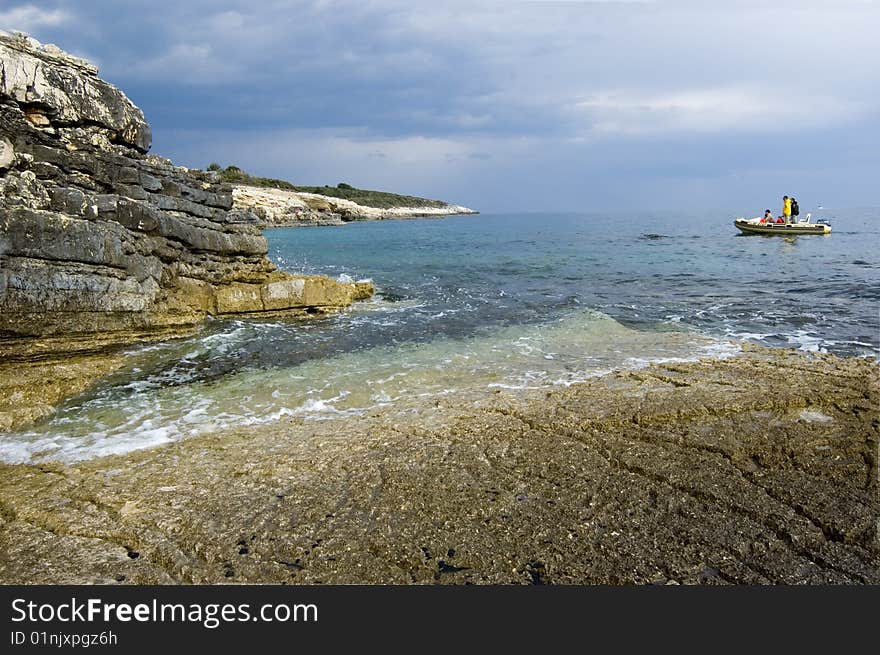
pixel 786 209
pixel 795 210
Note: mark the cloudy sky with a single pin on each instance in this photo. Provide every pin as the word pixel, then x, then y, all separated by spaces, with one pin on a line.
pixel 504 106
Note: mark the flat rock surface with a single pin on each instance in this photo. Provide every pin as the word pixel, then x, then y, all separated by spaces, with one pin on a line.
pixel 756 469
pixel 30 390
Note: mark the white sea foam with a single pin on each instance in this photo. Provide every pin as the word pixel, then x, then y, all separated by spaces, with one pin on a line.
pixel 149 412
pixel 814 416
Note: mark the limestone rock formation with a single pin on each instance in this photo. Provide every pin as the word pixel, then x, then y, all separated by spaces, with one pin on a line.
pixel 100 242
pixel 279 207
pixel 752 470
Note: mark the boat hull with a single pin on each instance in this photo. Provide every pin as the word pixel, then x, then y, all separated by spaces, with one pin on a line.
pixel 788 229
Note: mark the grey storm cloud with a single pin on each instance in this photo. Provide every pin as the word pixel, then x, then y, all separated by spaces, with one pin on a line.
pixel 586 100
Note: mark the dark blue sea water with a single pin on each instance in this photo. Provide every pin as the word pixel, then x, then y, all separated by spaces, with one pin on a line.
pixel 645 271
pixel 470 303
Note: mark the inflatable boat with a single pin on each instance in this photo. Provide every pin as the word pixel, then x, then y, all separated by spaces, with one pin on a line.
pixel 757 226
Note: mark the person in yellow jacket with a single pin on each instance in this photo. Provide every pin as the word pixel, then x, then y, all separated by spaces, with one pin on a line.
pixel 786 209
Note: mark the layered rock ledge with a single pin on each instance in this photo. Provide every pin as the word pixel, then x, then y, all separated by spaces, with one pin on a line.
pixel 102 244
pixel 753 470
pixel 99 239
pixel 280 208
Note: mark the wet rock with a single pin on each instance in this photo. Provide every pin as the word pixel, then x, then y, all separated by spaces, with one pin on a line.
pixel 28 391
pixel 376 499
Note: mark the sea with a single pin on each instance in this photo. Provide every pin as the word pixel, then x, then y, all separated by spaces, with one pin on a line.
pixel 469 304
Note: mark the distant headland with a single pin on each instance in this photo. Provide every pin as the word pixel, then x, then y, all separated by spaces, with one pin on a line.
pixel 281 203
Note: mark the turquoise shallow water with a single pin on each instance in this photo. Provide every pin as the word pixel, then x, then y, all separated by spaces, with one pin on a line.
pixel 470 303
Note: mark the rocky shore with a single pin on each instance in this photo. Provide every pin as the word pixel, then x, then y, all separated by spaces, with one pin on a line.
pixel 103 245
pixel 756 469
pixel 282 208
pixel 762 468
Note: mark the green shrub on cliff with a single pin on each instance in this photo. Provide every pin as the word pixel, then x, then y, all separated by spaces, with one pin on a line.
pixel 234 175
pixel 367 198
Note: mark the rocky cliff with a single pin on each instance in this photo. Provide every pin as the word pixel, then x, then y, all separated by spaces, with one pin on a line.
pixel 279 207
pixel 100 242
